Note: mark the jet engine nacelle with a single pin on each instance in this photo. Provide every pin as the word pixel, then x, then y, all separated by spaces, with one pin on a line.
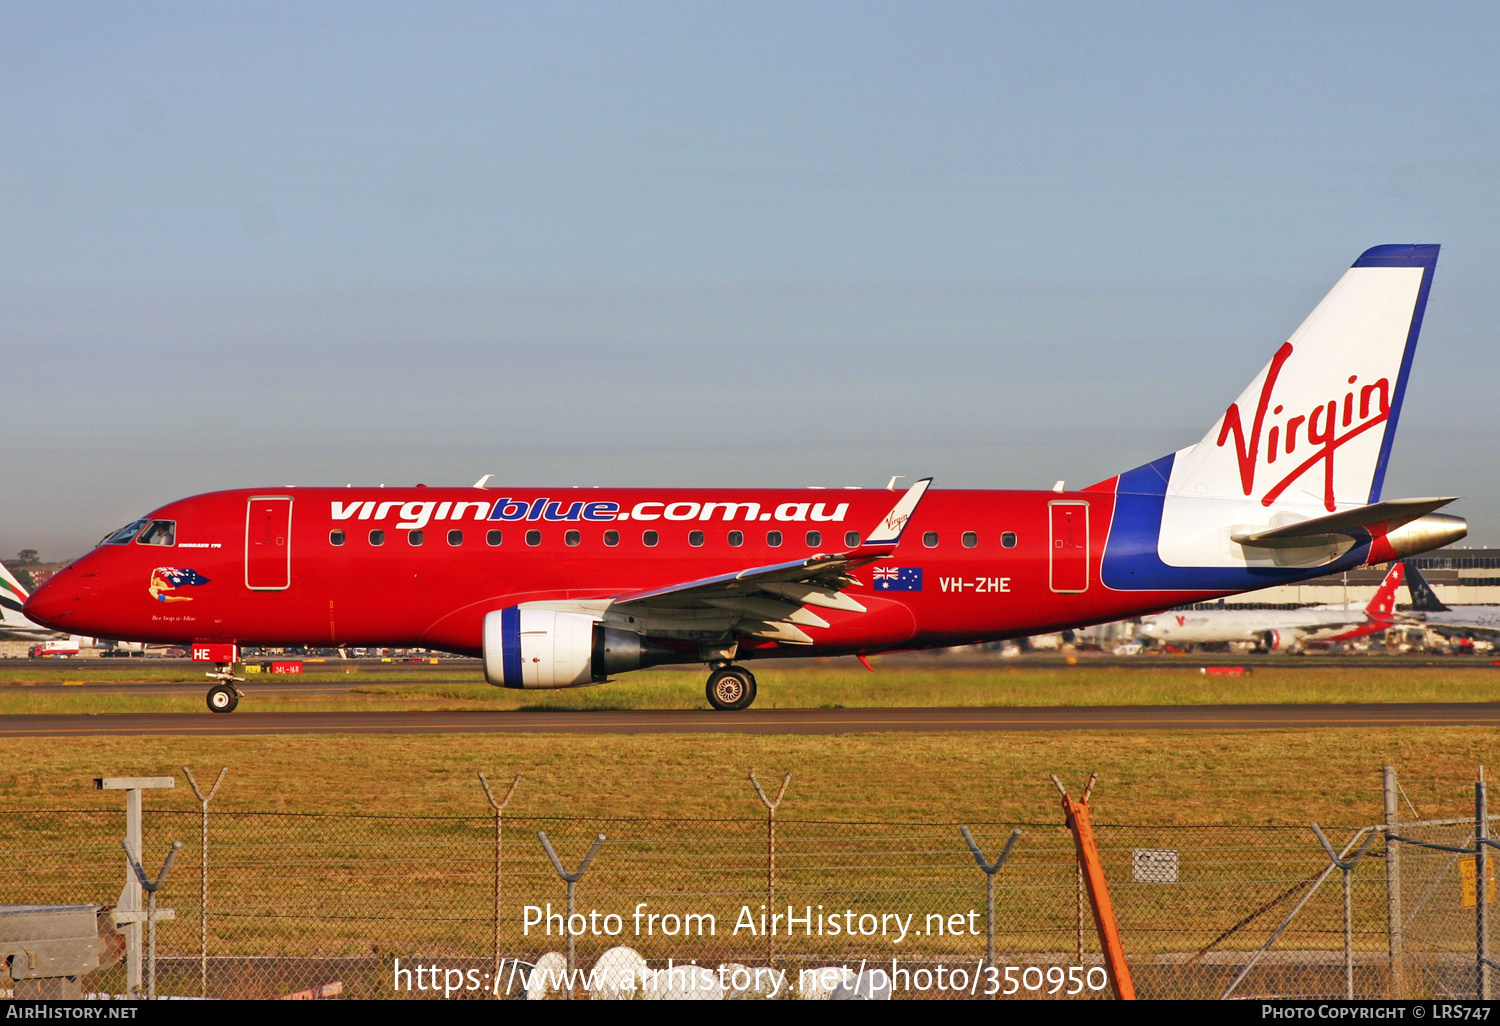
pixel 1423 534
pixel 548 648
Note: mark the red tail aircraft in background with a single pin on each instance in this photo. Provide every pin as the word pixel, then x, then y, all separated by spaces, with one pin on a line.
pixel 567 587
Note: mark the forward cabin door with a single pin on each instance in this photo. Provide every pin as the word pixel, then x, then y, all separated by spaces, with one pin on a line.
pixel 1069 570
pixel 268 543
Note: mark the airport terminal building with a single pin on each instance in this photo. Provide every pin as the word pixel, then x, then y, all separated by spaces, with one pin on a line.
pixel 1459 576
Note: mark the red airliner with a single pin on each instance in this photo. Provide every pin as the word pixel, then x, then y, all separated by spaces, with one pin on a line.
pixel 563 588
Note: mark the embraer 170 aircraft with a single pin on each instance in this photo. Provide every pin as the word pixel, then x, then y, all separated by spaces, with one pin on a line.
pixel 1274 629
pixel 559 588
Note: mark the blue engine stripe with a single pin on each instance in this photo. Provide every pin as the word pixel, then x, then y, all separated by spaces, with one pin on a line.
pixel 510 645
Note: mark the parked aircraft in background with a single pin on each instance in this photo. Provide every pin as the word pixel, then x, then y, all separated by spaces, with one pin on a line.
pixel 1460 622
pixel 15 625
pixel 565 588
pixel 1278 629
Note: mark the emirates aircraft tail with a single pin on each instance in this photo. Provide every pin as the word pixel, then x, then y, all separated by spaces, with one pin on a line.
pixel 1287 483
pixel 14 624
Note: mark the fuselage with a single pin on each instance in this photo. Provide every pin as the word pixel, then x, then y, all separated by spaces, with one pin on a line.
pixel 1277 627
pixel 423 566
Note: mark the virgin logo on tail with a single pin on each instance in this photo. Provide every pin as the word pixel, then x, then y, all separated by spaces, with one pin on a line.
pixel 1319 428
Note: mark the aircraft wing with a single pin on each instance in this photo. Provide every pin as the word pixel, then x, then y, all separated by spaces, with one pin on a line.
pixel 767 601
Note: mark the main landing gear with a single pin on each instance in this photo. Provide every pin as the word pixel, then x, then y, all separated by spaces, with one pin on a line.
pixel 731 688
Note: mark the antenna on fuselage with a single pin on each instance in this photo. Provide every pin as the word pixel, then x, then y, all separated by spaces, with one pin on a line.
pixel 890 485
pixel 483 481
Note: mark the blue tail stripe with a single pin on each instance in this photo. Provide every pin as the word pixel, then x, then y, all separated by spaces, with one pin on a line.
pixel 1425 257
pixel 1131 561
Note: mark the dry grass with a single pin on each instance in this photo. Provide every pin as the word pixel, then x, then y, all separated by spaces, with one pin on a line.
pixel 829 686
pixel 1277 777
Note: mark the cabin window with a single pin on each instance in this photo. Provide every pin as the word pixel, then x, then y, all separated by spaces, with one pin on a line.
pixel 649 538
pixel 1008 540
pixel 533 537
pixel 736 538
pixel 773 539
pixel 161 532
pixel 124 534
pixel 611 538
pixel 493 538
pixel 455 537
pixel 814 539
pixel 970 539
pixel 851 538
pixel 377 537
pixel 695 538
pixel 415 537
pixel 335 537
pixel 572 538
pixel 930 539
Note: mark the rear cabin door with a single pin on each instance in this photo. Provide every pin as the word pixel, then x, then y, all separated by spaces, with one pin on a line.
pixel 1070 546
pixel 268 543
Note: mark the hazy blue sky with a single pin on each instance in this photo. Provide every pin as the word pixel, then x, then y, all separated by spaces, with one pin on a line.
pixel 716 243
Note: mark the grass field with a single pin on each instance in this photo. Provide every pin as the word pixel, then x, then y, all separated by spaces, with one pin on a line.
pixel 830 686
pixel 1251 777
pixel 387 872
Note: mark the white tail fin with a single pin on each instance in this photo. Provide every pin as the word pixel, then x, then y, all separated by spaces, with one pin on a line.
pixel 1315 426
pixel 1310 436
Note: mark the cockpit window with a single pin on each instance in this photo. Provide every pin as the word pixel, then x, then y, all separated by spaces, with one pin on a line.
pixel 124 534
pixel 160 532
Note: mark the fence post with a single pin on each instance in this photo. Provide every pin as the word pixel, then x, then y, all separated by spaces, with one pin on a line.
pixel 989 889
pixel 1076 814
pixel 771 855
pixel 1346 866
pixel 499 807
pixel 203 877
pixel 570 879
pixel 1481 888
pixel 1393 885
pixel 151 889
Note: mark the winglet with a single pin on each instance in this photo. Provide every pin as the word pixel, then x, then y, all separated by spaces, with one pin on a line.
pixel 888 530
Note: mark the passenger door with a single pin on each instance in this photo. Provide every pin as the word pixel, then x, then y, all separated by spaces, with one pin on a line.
pixel 1069 567
pixel 268 543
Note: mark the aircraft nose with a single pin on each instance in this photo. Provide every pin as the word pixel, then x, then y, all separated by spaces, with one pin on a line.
pixel 57 598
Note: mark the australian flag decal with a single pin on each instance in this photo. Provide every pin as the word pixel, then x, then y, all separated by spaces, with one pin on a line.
pixel 898 578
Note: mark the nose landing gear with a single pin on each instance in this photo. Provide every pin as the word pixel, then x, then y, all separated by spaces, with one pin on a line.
pixel 224 696
pixel 731 688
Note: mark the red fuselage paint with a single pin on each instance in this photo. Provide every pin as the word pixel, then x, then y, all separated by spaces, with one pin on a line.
pixel 259 567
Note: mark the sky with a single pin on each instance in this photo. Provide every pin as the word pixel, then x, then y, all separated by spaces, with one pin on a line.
pixel 715 244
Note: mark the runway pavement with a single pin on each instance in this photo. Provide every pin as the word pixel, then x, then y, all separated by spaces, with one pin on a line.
pixel 770 721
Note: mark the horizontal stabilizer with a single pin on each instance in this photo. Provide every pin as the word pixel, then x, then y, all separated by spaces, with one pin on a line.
pixel 1390 515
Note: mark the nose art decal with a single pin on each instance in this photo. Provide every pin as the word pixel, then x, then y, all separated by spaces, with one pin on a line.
pixel 166 579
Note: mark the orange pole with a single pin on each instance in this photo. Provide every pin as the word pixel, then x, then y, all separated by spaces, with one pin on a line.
pixel 1104 910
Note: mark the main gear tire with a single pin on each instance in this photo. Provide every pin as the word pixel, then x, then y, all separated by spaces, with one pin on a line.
pixel 731 688
pixel 222 698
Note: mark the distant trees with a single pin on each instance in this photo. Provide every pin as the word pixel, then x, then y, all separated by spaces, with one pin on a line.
pixel 27 557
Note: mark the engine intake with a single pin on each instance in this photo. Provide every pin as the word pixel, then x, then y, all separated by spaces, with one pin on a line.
pixel 546 648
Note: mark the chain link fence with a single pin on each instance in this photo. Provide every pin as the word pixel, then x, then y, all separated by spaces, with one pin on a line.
pixel 357 904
